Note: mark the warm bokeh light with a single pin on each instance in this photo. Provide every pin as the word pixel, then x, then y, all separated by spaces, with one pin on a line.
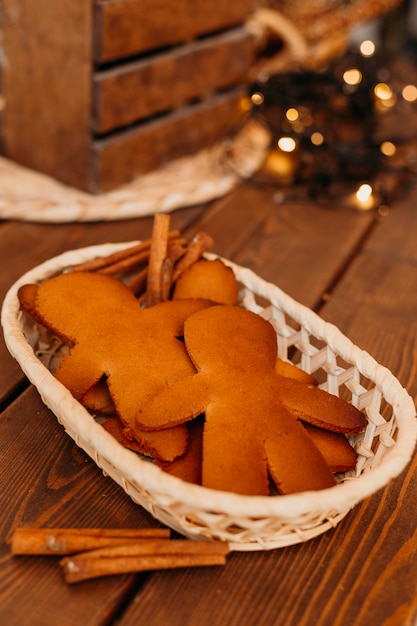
pixel 317 139
pixel 409 93
pixel 352 76
pixel 383 91
pixel 367 48
pixel 257 98
pixel 292 115
pixel 386 98
pixel 286 144
pixel 364 193
pixel 388 148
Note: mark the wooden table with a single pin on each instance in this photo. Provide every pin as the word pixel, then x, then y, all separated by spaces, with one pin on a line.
pixel 358 271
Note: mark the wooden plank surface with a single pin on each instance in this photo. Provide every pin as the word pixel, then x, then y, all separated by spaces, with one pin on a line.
pixel 302 248
pixel 362 572
pixel 381 290
pixel 128 27
pixel 122 157
pixel 46 84
pixel 396 235
pixel 161 82
pixel 60 489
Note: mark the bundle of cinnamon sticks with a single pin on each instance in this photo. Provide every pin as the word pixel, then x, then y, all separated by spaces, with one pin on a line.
pixel 156 263
pixel 92 553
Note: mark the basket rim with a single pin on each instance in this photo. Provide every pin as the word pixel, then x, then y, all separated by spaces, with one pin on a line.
pixel 151 478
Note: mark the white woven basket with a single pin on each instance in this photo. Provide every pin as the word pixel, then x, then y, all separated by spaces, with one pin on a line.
pixel 247 522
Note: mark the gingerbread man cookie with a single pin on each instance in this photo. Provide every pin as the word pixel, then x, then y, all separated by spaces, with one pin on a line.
pixel 138 351
pixel 249 432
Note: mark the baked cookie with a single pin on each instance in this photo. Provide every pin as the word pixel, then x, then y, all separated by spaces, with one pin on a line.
pixel 27 296
pixel 188 466
pixel 138 351
pixel 289 370
pixel 248 429
pixel 212 280
pixel 335 448
pixel 167 449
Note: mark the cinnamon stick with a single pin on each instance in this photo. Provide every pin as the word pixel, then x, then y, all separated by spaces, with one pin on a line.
pixel 176 249
pixel 154 546
pixel 158 252
pixel 138 283
pixel 126 264
pixel 77 570
pixel 143 556
pixel 166 278
pixel 99 263
pixel 61 541
pixel 200 244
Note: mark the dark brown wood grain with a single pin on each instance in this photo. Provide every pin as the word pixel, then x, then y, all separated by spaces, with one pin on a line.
pixel 351 575
pixel 365 571
pixel 395 235
pixel 167 81
pixel 46 83
pixel 127 27
pixel 302 248
pixel 382 314
pixel 359 271
pixel 126 155
pixel 48 123
pixel 63 488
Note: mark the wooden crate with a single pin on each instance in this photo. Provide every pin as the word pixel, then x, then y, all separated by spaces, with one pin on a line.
pixel 98 93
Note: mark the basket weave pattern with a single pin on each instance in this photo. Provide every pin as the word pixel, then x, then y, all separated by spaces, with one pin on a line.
pixel 247 522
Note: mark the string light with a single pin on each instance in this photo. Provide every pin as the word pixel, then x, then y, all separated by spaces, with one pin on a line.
pixel 388 148
pixel 364 192
pixel 409 93
pixel 257 98
pixel 286 144
pixel 383 91
pixel 364 197
pixel 367 48
pixel 292 114
pixel 324 127
pixel 352 76
pixel 385 95
pixel 317 139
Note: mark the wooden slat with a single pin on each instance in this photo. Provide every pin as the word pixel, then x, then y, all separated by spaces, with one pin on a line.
pixel 396 234
pixel 47 86
pixel 302 248
pixel 63 488
pixel 129 27
pixel 46 123
pixel 361 573
pixel 381 317
pixel 364 571
pixel 161 82
pixel 128 154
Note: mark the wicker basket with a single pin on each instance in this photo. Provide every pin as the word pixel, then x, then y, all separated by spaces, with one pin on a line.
pixel 247 522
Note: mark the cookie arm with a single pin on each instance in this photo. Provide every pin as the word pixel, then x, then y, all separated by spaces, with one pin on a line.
pixel 320 408
pixel 78 372
pixel 174 405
